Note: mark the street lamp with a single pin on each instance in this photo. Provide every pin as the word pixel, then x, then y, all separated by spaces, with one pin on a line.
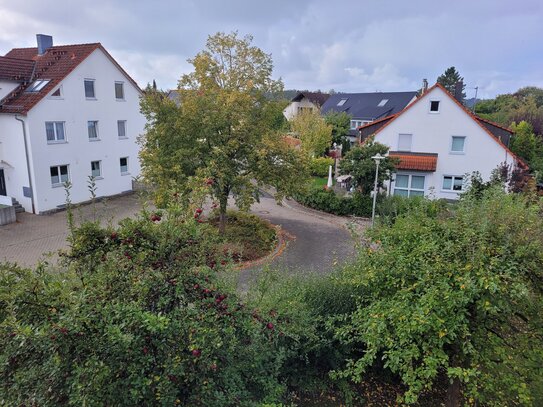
pixel 377 158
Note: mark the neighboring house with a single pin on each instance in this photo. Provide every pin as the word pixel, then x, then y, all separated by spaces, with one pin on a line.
pixel 438 141
pixel 365 108
pixel 305 101
pixel 66 113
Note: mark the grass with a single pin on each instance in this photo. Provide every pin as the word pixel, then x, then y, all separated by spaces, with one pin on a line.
pixel 319 182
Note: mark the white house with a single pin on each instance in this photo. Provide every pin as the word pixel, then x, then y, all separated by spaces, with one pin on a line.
pixel 305 101
pixel 66 113
pixel 438 141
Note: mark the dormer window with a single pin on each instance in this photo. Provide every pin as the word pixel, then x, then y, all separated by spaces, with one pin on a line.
pixel 434 106
pixel 382 103
pixel 37 85
pixel 341 102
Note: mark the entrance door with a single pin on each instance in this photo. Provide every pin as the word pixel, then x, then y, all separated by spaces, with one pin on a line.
pixel 2 183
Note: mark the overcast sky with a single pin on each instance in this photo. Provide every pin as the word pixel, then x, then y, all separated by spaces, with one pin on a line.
pixel 346 45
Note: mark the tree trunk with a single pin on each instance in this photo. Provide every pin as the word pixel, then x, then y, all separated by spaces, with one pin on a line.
pixel 223 202
pixel 454 394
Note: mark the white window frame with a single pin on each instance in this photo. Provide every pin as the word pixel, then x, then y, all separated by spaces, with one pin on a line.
pixel 451 151
pixel 438 106
pixel 56 140
pixel 453 177
pixel 125 131
pixel 97 138
pixel 409 188
pixel 122 88
pixel 61 96
pixel 99 176
pixel 355 124
pixel 93 88
pixel 60 183
pixel 410 141
pixel 37 85
pixel 127 172
pixel 342 102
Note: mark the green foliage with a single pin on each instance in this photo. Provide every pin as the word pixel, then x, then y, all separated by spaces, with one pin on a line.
pixel 341 124
pixel 528 146
pixel 394 206
pixel 359 164
pixel 150 323
pixel 319 166
pixel 225 132
pixel 327 200
pixel 454 294
pixel 313 131
pixel 449 78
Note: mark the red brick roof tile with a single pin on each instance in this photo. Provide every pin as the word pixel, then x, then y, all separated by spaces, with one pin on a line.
pixel 14 69
pixel 415 161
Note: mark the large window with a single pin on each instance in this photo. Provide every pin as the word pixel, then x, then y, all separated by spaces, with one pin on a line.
pixel 119 90
pixel 96 169
pixel 124 165
pixel 121 128
pixel 59 175
pixel 55 132
pixel 92 126
pixel 453 183
pixel 409 185
pixel 89 89
pixel 458 144
pixel 404 142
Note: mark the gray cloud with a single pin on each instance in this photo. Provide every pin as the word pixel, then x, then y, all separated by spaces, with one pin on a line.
pixel 315 44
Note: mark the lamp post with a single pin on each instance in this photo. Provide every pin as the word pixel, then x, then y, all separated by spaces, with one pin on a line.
pixel 377 158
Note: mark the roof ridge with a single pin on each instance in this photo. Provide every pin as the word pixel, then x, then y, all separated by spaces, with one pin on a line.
pixel 493 123
pixel 63 45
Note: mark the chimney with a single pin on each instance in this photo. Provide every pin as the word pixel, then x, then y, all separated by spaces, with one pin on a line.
pixel 44 43
pixel 424 86
pixel 458 88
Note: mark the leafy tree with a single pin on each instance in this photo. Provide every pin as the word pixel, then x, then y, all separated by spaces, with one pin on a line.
pixel 221 136
pixel 313 131
pixel 341 124
pixel 359 164
pixel 528 146
pixel 454 298
pixel 449 79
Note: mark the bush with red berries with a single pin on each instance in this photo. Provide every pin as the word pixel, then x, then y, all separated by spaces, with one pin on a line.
pixel 135 316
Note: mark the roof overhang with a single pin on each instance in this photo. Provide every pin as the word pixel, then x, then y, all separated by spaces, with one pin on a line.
pixel 411 161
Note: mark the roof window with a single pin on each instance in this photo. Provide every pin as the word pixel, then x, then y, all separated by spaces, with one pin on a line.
pixel 341 102
pixel 382 103
pixel 37 85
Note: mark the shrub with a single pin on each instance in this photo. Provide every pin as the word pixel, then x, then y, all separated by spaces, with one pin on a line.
pixel 327 200
pixel 319 166
pixel 144 320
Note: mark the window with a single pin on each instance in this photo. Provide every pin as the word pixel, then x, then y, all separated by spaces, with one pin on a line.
pixel 55 132
pixel 119 90
pixel 302 109
pixel 434 106
pixel 89 89
pixel 457 144
pixel 124 165
pixel 382 103
pixel 121 128
pixel 341 102
pixel 57 94
pixel 38 85
pixel 96 169
pixel 92 127
pixel 404 142
pixel 409 185
pixel 59 175
pixel 453 183
pixel 356 124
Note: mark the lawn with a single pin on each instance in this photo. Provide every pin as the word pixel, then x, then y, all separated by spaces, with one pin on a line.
pixel 319 181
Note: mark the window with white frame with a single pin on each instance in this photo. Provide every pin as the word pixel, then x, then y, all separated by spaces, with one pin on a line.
pixel 89 89
pixel 458 144
pixel 59 175
pixel 119 90
pixel 341 102
pixel 434 106
pixel 404 142
pixel 409 185
pixel 92 127
pixel 123 162
pixel 121 128
pixel 38 85
pixel 55 132
pixel 57 94
pixel 453 183
pixel 355 124
pixel 96 169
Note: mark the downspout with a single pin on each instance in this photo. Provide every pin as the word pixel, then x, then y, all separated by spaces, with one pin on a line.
pixel 27 163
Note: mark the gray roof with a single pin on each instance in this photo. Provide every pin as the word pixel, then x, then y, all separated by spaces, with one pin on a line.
pixel 368 106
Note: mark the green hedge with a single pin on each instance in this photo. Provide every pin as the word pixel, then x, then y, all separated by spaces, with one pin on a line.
pixel 328 201
pixel 319 166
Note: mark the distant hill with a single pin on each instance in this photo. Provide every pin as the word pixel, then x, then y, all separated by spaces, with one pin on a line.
pixel 469 103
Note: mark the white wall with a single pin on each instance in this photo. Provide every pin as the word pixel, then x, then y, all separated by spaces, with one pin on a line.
pixel 13 159
pixel 6 87
pixel 291 110
pixel 432 133
pixel 78 152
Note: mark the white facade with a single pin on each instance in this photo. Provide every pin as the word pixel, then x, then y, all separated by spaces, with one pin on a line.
pixel 76 150
pixel 418 129
pixel 295 108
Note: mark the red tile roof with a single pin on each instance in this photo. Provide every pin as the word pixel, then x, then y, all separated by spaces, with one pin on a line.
pixel 14 69
pixel 415 161
pixel 55 64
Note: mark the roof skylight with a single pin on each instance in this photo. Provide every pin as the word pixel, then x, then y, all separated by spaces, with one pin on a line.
pixel 341 102
pixel 382 103
pixel 38 85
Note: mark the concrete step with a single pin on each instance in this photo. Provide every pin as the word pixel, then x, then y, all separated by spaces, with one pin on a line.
pixel 18 207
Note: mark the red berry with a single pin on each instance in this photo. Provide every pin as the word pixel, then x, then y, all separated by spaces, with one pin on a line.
pixel 113 236
pixel 269 325
pixel 196 352
pixel 199 210
pixel 196 286
pixel 145 350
